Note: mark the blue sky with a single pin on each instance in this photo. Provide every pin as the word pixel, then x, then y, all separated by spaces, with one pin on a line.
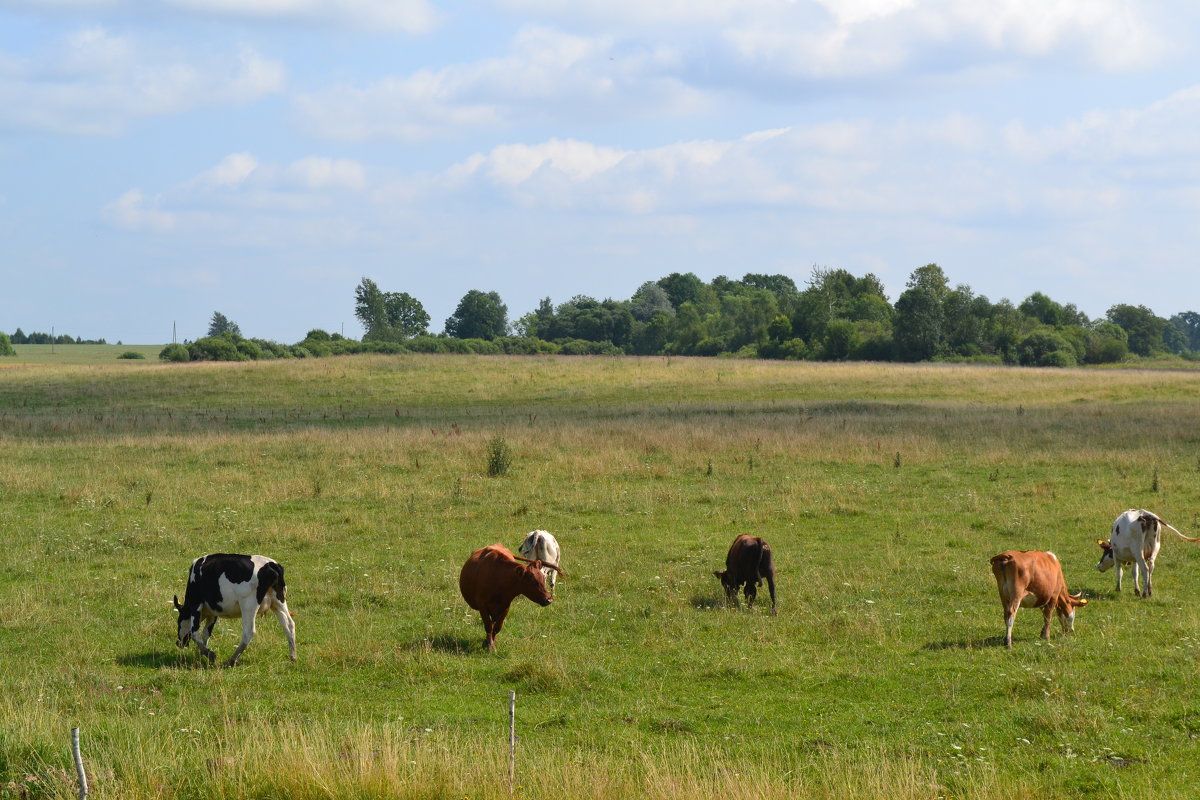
pixel 164 159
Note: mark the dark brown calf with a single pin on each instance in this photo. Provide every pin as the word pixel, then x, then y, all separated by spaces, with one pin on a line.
pixel 493 577
pixel 1034 579
pixel 748 562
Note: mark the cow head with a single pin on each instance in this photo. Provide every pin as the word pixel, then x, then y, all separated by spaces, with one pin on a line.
pixel 188 624
pixel 729 582
pixel 1066 610
pixel 1107 559
pixel 533 580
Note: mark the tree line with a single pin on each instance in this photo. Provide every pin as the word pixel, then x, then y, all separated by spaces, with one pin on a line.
pixel 835 317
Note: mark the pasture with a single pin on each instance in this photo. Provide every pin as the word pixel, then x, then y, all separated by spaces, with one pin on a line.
pixel 883 491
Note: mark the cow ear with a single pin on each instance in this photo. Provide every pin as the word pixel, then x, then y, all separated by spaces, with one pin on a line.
pixel 1102 543
pixel 718 575
pixel 177 606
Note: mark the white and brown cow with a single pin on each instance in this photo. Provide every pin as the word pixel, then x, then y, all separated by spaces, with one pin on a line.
pixel 228 585
pixel 1134 540
pixel 542 546
pixel 1034 579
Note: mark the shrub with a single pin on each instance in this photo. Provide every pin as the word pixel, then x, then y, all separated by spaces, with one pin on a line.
pixel 249 349
pixel 6 348
pixel 216 348
pixel 130 354
pixel 499 457
pixel 175 353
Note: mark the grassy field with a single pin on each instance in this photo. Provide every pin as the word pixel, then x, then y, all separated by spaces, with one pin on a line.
pixel 75 354
pixel 883 490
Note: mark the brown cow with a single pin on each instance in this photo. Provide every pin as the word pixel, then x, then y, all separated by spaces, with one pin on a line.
pixel 493 577
pixel 1034 579
pixel 748 562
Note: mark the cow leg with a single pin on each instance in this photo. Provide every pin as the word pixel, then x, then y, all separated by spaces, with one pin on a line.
pixel 751 593
pixel 551 577
pixel 202 640
pixel 1010 616
pixel 489 642
pixel 1120 572
pixel 289 627
pixel 497 624
pixel 1149 573
pixel 1143 572
pixel 771 586
pixel 1047 611
pixel 249 612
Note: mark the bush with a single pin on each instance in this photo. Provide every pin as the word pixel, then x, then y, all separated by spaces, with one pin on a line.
pixel 130 354
pixel 6 348
pixel 175 353
pixel 499 457
pixel 216 348
pixel 249 349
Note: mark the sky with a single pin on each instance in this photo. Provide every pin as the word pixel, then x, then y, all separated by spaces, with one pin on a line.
pixel 161 160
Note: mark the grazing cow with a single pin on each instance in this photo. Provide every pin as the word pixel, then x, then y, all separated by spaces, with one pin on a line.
pixel 748 562
pixel 1134 540
pixel 542 546
pixel 225 585
pixel 493 577
pixel 1034 579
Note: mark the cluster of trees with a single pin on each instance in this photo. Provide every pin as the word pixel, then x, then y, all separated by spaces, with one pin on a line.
pixel 836 316
pixel 20 337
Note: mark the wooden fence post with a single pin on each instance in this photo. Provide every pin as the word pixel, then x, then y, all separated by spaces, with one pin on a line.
pixel 83 788
pixel 512 741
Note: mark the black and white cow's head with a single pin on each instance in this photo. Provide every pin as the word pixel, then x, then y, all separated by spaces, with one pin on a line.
pixel 189 623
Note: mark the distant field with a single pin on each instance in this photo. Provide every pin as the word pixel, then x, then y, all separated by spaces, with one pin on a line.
pixel 66 354
pixel 882 488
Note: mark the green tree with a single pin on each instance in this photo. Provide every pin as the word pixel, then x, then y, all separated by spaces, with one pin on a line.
pixel 1186 322
pixel 1144 328
pixel 918 326
pixel 648 300
pixel 682 288
pixel 479 315
pixel 222 324
pixel 388 316
pixel 6 348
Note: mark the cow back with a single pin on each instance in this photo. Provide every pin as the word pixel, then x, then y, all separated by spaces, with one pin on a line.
pixel 749 558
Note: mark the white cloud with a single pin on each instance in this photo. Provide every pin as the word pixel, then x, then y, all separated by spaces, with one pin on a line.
pixel 1161 130
pixel 868 37
pixel 95 82
pixel 131 212
pixel 231 172
pixel 546 74
pixel 244 197
pixel 410 16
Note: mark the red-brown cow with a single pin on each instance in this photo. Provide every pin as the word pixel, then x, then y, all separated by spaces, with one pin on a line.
pixel 1034 579
pixel 493 577
pixel 748 562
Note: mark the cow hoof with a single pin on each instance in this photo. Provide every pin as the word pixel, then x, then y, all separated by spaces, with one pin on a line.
pixel 773 612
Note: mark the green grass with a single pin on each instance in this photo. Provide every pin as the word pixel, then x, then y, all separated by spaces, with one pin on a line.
pixel 883 490
pixel 75 354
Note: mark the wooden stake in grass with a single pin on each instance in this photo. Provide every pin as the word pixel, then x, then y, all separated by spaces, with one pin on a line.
pixel 83 789
pixel 512 741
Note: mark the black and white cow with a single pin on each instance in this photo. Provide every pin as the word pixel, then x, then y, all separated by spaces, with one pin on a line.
pixel 226 585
